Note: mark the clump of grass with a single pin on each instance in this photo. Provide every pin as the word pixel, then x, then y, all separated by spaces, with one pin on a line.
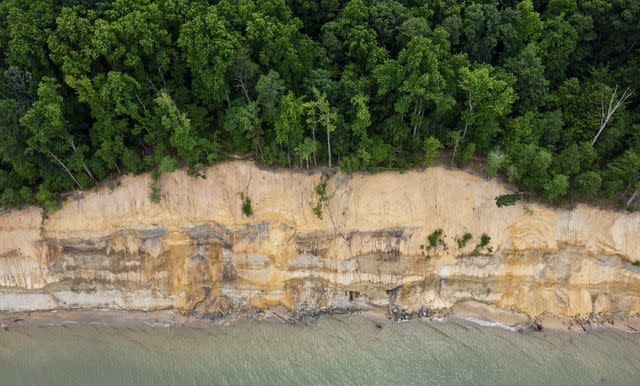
pixel 484 240
pixel 321 192
pixel 462 241
pixel 435 238
pixel 423 251
pixel 483 246
pixel 247 210
pixel 508 199
pixel 636 263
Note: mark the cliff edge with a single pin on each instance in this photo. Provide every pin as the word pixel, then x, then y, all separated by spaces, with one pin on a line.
pixel 372 244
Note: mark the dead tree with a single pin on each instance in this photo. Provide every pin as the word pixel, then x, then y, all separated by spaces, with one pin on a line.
pixel 605 116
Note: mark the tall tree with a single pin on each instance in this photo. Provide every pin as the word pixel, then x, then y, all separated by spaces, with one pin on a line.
pixel 47 126
pixel 487 100
pixel 209 48
pixel 288 125
pixel 420 79
pixel 321 114
pixel 361 121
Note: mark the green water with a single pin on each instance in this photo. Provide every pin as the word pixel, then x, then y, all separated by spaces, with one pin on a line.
pixel 331 350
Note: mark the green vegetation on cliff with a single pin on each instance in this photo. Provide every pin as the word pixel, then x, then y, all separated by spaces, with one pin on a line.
pixel 543 89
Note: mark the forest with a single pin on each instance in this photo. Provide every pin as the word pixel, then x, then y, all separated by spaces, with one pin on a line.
pixel 541 93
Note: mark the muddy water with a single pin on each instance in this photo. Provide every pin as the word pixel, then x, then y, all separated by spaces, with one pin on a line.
pixel 332 350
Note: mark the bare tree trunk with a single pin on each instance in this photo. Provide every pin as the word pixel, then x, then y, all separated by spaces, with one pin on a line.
pixel 65 168
pixel 329 146
pixel 242 86
pixel 455 149
pixel 415 123
pixel 417 114
pixel 153 86
pixel 466 125
pixel 84 166
pixel 605 117
pixel 313 135
pixel 630 200
pixel 464 132
pixel 141 103
pixel 161 76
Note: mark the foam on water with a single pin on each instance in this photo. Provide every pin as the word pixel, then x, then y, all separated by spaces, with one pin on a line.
pixel 489 324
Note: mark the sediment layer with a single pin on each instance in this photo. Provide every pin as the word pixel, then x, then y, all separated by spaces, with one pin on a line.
pixel 195 251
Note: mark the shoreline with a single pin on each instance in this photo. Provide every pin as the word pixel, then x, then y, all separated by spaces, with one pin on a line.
pixel 477 314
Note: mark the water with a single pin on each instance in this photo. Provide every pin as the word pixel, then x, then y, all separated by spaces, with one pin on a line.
pixel 331 350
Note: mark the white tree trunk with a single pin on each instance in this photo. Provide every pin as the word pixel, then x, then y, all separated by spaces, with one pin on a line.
pixel 84 166
pixel 614 105
pixel 313 135
pixel 631 199
pixel 329 146
pixel 65 168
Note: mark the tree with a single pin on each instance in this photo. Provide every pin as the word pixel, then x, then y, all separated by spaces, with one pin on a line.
pixel 288 125
pixel 528 24
pixel 495 160
pixel 588 184
pixel 244 71
pixel 590 109
pixel 28 25
pixel 623 176
pixel 209 48
pixel 487 100
pixel 556 188
pixel 362 120
pixel 480 27
pixel 13 147
pixel 614 104
pixel 241 123
pixel 269 88
pixel 116 110
pixel 178 125
pixel 320 113
pixel 305 149
pixel 431 146
pixel 45 122
pixel 419 77
pixel 387 17
pixel 279 44
pixel 359 40
pixel 413 26
pixel 531 86
pixel 559 41
pixel 530 165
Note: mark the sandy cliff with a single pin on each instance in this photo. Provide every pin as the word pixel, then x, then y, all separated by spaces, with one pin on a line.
pixel 195 251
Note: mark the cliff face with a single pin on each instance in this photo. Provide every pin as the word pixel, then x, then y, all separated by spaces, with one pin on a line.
pixel 194 251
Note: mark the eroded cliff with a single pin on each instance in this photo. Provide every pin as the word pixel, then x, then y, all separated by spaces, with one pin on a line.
pixel 196 252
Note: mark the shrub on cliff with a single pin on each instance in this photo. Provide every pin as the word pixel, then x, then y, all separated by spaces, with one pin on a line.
pixel 508 199
pixel 431 147
pixel 246 208
pixel 463 240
